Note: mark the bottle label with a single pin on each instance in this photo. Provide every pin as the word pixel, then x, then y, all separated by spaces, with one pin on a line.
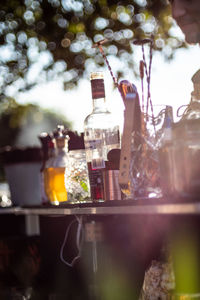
pixel 96 183
pixel 108 138
pixel 98 90
pixel 112 138
pixel 93 144
pixel 98 163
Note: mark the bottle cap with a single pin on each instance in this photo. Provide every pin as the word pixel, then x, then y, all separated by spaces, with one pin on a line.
pixel 196 77
pixel 97 85
pixel 96 75
pixel 61 137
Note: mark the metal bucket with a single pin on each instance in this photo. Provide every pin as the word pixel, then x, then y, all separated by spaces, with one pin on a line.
pixel 22 169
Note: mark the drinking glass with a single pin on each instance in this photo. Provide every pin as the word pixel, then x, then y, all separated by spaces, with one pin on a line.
pixel 144 167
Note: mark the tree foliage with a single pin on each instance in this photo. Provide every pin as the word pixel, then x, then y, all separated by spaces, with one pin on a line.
pixel 58 36
pixel 22 124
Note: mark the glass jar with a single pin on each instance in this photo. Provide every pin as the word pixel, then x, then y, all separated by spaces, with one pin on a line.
pixel 76 177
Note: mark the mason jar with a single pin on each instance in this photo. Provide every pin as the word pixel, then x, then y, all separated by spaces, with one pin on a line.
pixel 76 177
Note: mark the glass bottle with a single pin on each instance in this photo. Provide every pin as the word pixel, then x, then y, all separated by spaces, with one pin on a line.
pixel 46 141
pixel 47 165
pixel 101 134
pixel 166 152
pixel 193 110
pixel 166 132
pixel 55 168
pixel 179 168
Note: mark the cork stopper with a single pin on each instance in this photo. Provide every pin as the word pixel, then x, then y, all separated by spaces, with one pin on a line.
pixel 96 75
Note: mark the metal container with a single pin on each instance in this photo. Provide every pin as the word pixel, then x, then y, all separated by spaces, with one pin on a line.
pixel 22 169
pixel 180 161
pixel 112 190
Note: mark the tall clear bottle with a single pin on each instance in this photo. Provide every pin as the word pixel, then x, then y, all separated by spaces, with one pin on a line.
pixel 101 134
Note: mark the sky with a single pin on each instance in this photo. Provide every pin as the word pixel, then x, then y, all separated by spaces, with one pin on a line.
pixel 170 84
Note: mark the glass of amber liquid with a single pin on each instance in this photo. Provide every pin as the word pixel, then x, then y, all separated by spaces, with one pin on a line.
pixel 54 172
pixel 55 184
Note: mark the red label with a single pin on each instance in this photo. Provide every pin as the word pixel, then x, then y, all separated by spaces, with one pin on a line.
pixel 98 90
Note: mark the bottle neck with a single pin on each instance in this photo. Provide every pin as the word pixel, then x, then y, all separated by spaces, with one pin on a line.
pixel 61 151
pixel 98 95
pixel 99 105
pixel 61 146
pixel 193 109
pixel 195 97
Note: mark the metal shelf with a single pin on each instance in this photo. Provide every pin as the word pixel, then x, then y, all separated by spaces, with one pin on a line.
pixel 146 209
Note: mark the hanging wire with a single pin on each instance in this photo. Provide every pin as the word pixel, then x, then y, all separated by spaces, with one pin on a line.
pixel 149 77
pixel 99 45
pixel 142 82
pixel 118 85
pixel 144 61
pixel 183 107
pixel 142 43
pixel 143 64
pixel 79 241
pixel 148 73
